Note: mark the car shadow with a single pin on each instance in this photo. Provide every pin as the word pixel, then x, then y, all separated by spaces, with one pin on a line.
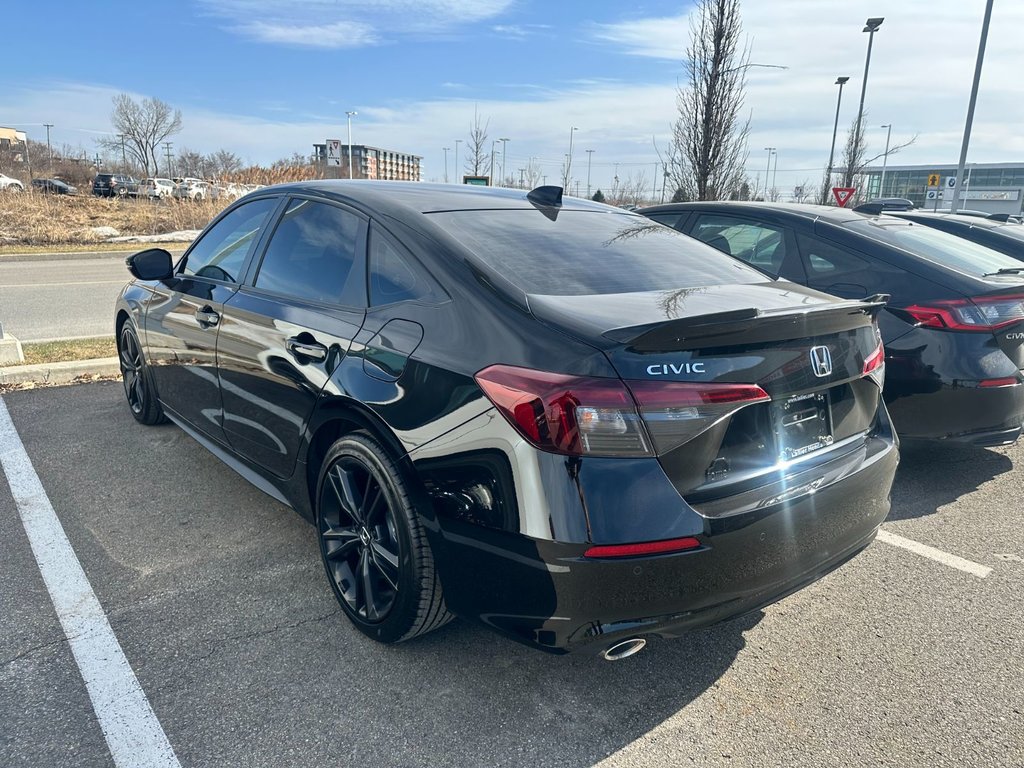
pixel 933 475
pixel 484 700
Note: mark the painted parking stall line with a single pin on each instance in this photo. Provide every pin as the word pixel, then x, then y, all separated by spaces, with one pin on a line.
pixel 967 566
pixel 134 735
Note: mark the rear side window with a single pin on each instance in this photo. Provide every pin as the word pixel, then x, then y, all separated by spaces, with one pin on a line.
pixel 221 252
pixel 762 245
pixel 823 260
pixel 668 219
pixel 396 276
pixel 312 253
pixel 589 252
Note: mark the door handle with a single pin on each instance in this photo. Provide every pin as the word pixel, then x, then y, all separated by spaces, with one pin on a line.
pixel 207 317
pixel 313 351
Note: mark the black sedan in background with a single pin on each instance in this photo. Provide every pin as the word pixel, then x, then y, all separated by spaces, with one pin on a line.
pixel 954 326
pixel 53 187
pixel 556 418
pixel 1005 237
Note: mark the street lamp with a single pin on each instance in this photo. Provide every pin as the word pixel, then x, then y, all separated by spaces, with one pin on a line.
pixel 775 170
pixel 568 159
pixel 445 164
pixel 768 169
pixel 49 152
pixel 970 108
pixel 840 81
pixel 590 156
pixel 885 159
pixel 492 161
pixel 457 142
pixel 504 147
pixel 350 116
pixel 870 26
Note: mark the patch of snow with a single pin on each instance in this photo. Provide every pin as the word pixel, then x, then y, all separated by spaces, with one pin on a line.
pixel 181 236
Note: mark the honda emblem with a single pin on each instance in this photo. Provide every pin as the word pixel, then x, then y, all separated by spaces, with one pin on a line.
pixel 821 362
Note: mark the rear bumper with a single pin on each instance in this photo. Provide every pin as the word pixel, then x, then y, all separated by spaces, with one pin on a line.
pixel 960 412
pixel 548 595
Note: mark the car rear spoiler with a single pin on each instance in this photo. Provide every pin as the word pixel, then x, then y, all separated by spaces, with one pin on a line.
pixel 752 325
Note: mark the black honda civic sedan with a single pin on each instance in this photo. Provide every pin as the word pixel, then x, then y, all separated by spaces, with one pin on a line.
pixel 999 235
pixel 953 328
pixel 552 416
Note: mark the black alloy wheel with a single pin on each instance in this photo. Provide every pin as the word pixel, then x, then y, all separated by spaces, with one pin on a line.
pixel 373 548
pixel 137 390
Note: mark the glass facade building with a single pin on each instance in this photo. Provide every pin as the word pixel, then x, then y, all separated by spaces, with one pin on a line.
pixel 990 187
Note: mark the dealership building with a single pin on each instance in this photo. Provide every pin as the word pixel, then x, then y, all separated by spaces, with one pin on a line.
pixel 989 187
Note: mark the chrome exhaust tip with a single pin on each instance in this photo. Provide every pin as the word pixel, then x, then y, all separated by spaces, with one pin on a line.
pixel 623 649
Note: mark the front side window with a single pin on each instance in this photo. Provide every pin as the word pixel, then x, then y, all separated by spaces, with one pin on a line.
pixel 312 253
pixel 760 245
pixel 221 252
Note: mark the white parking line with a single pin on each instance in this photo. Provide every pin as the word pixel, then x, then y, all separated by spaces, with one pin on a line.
pixel 134 735
pixel 967 566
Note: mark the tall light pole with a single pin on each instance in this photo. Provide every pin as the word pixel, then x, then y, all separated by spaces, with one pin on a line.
pixel 970 107
pixel 590 156
pixel 49 152
pixel 768 170
pixel 775 170
pixel 870 26
pixel 457 142
pixel 492 161
pixel 840 81
pixel 885 159
pixel 504 147
pixel 568 160
pixel 445 164
pixel 350 115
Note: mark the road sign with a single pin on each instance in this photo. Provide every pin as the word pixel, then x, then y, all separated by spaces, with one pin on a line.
pixel 477 181
pixel 843 195
pixel 933 180
pixel 951 182
pixel 334 151
pixel 933 194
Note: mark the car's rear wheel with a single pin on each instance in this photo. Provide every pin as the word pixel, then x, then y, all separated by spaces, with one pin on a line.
pixel 137 388
pixel 373 547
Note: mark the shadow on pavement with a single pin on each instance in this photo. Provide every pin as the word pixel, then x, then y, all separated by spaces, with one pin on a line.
pixel 933 475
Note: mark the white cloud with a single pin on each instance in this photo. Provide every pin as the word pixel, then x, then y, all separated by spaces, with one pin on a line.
pixel 339 35
pixel 347 23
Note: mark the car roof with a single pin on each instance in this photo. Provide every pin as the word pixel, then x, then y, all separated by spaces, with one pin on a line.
pixel 798 210
pixel 966 221
pixel 428 197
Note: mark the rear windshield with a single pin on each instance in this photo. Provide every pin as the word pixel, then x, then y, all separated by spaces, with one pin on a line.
pixel 940 247
pixel 590 252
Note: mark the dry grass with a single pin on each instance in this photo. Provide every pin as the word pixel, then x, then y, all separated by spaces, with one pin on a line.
pixel 72 349
pixel 35 219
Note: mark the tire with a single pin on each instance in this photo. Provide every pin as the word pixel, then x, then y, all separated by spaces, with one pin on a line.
pixel 138 388
pixel 372 545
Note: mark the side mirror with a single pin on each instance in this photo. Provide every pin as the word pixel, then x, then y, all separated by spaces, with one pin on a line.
pixel 151 264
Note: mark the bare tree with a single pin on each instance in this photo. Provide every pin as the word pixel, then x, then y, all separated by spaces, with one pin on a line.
pixel 533 174
pixel 192 163
pixel 478 158
pixel 709 137
pixel 855 158
pixel 144 126
pixel 223 163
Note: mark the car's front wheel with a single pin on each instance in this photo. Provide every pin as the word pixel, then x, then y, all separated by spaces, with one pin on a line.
pixel 137 387
pixel 373 547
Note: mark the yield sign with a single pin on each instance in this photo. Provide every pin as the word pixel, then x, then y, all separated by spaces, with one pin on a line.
pixel 843 195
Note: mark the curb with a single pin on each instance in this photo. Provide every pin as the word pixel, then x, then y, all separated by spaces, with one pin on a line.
pixel 59 373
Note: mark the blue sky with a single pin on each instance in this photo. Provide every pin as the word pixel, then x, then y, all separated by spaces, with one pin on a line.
pixel 266 78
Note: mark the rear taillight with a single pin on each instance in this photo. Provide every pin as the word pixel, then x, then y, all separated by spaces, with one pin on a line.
pixel 675 412
pixel 581 416
pixel 572 415
pixel 874 365
pixel 986 313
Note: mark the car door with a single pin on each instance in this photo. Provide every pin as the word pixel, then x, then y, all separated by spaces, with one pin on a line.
pixel 769 247
pixel 286 330
pixel 183 316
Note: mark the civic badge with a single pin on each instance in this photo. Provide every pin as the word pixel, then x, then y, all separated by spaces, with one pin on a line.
pixel 821 362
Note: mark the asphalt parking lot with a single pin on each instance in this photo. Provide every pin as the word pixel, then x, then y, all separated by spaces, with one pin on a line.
pixel 216 595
